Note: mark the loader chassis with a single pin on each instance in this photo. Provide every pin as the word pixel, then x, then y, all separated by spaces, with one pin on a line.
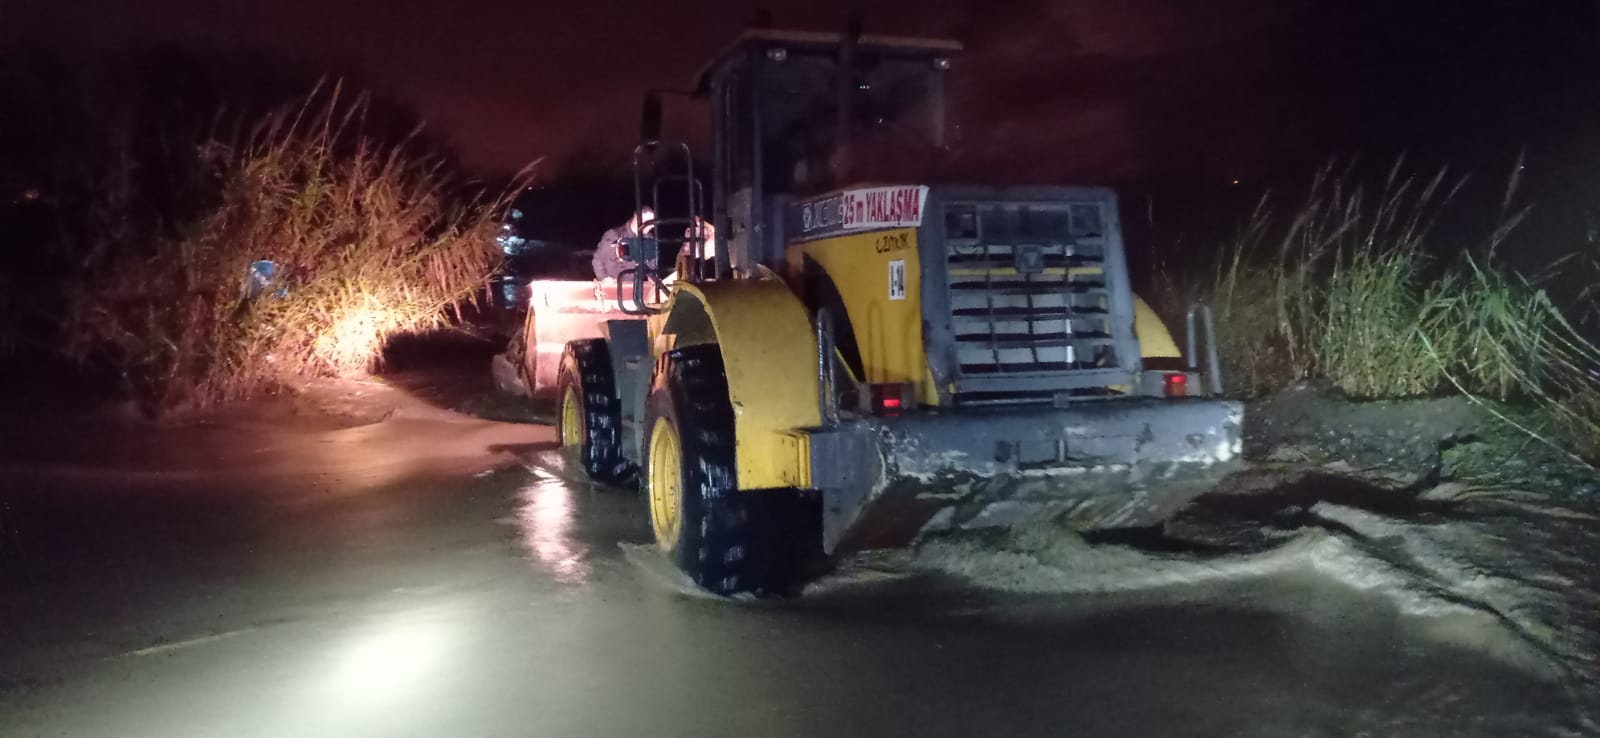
pixel 1018 339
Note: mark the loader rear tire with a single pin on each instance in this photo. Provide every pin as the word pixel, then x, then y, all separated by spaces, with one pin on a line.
pixel 728 541
pixel 589 419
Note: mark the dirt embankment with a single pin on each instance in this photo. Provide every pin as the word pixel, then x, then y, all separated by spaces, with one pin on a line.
pixel 1409 445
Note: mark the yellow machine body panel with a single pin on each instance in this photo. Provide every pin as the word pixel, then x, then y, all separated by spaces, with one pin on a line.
pixel 878 278
pixel 1155 341
pixel 770 355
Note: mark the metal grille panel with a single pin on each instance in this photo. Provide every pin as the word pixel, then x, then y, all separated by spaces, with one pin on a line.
pixel 1027 287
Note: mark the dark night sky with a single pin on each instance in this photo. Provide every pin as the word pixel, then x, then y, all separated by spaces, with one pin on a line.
pixel 507 80
pixel 1121 91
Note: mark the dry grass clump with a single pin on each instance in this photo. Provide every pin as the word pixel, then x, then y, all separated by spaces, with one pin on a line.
pixel 1372 295
pixel 370 238
pixel 1330 291
pixel 1514 343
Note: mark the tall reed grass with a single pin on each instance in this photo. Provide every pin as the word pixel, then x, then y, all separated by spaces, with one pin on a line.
pixel 1344 288
pixel 372 237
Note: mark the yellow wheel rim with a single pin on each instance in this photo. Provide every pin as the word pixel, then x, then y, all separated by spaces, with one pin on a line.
pixel 571 419
pixel 666 483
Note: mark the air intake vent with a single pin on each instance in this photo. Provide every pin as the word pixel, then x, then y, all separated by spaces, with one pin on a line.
pixel 1027 287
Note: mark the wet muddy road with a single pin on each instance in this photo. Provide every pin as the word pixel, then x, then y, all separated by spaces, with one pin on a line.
pixel 349 583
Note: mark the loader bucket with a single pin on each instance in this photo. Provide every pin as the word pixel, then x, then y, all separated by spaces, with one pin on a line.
pixel 558 312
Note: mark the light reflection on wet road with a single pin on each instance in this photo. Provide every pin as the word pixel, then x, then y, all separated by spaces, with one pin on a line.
pixel 547 521
pixel 512 605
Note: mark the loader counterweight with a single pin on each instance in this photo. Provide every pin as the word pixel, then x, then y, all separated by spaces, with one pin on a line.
pixel 1097 465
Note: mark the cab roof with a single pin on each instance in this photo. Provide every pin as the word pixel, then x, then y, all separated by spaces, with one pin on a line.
pixel 821 40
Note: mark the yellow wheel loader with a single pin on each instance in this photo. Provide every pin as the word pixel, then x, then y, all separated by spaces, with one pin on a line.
pixel 859 360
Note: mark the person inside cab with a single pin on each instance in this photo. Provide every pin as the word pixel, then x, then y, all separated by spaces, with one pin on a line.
pixel 708 250
pixel 608 262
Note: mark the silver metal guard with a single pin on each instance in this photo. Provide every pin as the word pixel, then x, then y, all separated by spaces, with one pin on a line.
pixel 1107 464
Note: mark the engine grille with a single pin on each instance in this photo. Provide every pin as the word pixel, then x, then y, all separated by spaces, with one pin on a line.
pixel 1027 287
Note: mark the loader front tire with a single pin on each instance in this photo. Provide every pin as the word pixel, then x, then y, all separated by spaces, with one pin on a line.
pixel 589 415
pixel 728 541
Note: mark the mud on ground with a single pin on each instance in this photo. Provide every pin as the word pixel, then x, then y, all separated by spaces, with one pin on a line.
pixel 1435 504
pixel 1407 444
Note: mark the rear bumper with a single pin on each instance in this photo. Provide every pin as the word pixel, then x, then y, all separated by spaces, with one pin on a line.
pixel 1129 432
pixel 1119 463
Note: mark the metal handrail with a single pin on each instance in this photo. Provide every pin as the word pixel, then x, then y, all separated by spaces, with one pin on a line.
pixel 637 276
pixel 695 196
pixel 1213 370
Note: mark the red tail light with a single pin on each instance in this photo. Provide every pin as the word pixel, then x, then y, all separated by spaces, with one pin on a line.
pixel 889 399
pixel 1177 385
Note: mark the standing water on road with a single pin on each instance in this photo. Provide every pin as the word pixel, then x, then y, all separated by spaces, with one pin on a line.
pixel 361 581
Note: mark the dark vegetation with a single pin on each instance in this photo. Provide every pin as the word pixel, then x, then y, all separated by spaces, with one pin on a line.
pixel 152 180
pixel 1350 286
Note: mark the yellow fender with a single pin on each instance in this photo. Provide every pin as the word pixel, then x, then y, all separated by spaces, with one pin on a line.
pixel 1155 341
pixel 770 354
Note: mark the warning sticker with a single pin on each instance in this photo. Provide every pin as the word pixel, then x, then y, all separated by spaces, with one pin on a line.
pixel 860 209
pixel 897 279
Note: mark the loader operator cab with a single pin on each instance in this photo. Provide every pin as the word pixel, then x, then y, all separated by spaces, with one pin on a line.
pixel 798 113
pixel 786 123
pixel 806 124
